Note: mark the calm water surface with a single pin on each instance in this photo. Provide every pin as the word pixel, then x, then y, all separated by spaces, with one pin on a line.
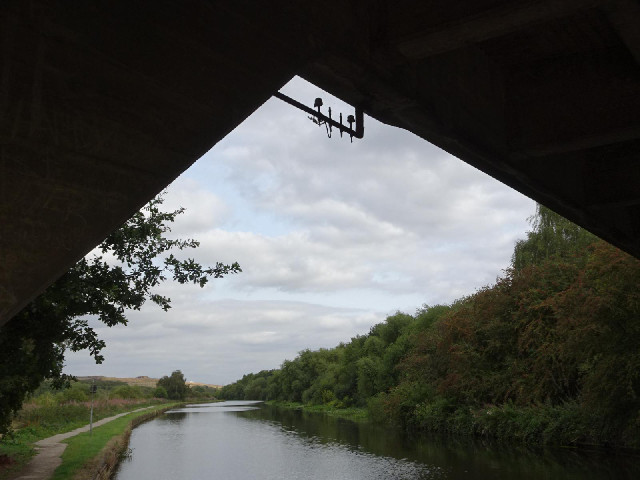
pixel 244 440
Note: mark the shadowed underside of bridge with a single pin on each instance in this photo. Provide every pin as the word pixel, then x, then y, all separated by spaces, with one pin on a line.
pixel 105 104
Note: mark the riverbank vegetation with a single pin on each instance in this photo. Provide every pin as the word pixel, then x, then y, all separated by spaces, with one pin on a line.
pixel 357 414
pixel 96 455
pixel 550 353
pixel 49 411
pixel 47 415
pixel 119 276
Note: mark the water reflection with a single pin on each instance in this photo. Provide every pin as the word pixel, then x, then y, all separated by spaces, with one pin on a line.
pixel 459 457
pixel 230 406
pixel 244 440
pixel 174 417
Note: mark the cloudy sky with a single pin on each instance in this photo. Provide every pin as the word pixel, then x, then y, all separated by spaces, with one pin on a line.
pixel 332 237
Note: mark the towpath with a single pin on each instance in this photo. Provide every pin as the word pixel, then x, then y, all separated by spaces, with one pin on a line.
pixel 48 458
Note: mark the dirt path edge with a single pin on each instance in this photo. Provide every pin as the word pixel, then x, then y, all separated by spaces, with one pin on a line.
pixel 48 458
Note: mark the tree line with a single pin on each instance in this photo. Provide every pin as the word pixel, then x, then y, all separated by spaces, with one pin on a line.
pixel 549 353
pixel 171 387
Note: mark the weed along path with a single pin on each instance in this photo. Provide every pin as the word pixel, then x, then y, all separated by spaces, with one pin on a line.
pixel 50 450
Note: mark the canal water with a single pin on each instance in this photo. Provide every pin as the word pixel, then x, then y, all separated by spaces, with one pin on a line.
pixel 246 440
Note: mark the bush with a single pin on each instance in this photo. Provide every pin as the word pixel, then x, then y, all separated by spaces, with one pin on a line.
pixel 126 392
pixel 328 396
pixel 74 395
pixel 548 424
pixel 160 392
pixel 47 399
pixel 434 416
pixel 175 385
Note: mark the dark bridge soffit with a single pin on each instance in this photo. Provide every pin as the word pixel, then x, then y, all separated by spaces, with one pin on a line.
pixel 104 105
pixel 542 95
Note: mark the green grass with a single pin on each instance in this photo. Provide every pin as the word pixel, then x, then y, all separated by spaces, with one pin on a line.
pixel 35 422
pixel 38 422
pixel 83 448
pixel 19 448
pixel 20 455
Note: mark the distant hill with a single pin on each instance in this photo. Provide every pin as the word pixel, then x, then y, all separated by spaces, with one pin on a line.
pixel 141 381
pixel 196 384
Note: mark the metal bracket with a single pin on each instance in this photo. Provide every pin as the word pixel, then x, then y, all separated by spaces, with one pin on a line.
pixel 329 123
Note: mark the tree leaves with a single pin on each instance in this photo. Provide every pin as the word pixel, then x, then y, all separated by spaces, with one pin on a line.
pixel 134 260
pixel 558 332
pixel 174 385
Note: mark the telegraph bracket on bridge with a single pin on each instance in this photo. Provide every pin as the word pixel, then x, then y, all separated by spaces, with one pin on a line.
pixel 320 119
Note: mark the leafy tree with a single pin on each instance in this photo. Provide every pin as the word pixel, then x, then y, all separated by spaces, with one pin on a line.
pixel 550 352
pixel 234 391
pixel 203 391
pixel 175 385
pixel 160 392
pixel 369 376
pixel 600 332
pixel 347 375
pixel 274 386
pixel 392 328
pixel 256 389
pixel 119 276
pixel 552 235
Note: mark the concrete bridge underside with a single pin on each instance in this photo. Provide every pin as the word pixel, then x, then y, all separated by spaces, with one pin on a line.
pixel 105 103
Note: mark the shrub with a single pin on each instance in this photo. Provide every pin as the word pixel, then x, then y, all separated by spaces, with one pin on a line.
pixel 74 395
pixel 160 392
pixel 126 391
pixel 434 415
pixel 328 396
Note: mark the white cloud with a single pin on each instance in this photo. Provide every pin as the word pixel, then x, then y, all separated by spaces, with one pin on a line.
pixel 203 209
pixel 219 341
pixel 331 236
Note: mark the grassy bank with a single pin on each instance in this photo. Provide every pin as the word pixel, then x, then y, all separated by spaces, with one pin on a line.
pixel 43 420
pixel 351 413
pixel 45 417
pixel 98 454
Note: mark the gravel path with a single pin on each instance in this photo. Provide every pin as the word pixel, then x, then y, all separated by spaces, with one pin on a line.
pixel 48 458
